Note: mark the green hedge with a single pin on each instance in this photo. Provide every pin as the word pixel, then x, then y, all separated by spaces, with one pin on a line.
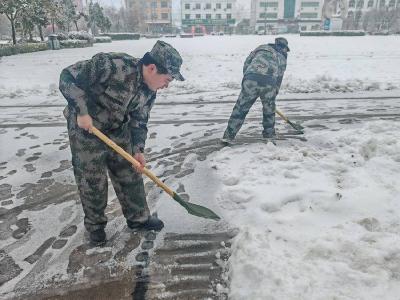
pixel 332 33
pixel 75 44
pixel 122 36
pixel 102 39
pixel 6 50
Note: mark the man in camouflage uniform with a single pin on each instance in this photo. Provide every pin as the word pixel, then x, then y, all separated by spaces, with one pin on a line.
pixel 114 92
pixel 263 73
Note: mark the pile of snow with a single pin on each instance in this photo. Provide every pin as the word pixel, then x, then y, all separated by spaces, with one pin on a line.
pixel 317 220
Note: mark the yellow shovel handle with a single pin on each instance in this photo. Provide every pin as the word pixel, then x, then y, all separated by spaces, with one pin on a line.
pixel 130 158
pixel 281 115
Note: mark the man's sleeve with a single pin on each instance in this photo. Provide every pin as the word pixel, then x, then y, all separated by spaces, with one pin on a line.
pixel 77 80
pixel 138 125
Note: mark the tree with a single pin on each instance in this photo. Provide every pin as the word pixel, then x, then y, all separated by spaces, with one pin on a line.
pixel 40 18
pixel 76 19
pixel 116 17
pixel 68 14
pixel 96 18
pixel 13 9
pixel 54 10
pixel 382 20
pixel 357 19
pixel 34 15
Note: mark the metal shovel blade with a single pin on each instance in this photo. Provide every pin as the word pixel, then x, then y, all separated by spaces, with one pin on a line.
pixel 195 209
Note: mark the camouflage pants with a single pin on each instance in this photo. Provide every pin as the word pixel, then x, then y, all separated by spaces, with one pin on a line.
pixel 92 159
pixel 251 90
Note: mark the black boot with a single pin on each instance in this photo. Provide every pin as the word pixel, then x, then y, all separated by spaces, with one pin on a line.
pixel 269 134
pixel 228 138
pixel 152 223
pixel 98 237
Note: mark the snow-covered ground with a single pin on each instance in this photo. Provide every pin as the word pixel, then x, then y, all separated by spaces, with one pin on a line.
pixel 318 220
pixel 213 63
pixel 315 220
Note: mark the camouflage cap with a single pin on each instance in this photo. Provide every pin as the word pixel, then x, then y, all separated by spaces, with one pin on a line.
pixel 282 42
pixel 168 57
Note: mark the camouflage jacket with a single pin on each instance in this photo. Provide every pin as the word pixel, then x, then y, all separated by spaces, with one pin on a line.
pixel 110 88
pixel 265 65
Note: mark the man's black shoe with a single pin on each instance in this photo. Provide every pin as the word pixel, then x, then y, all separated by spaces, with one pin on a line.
pixel 98 237
pixel 269 135
pixel 226 141
pixel 152 223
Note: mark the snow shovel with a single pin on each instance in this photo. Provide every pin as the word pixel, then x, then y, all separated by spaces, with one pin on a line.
pixel 193 209
pixel 296 126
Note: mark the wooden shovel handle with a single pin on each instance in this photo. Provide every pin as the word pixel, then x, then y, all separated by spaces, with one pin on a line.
pixel 132 160
pixel 281 115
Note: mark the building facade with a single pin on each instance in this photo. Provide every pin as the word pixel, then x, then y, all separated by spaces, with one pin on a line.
pixel 278 16
pixel 208 16
pixel 362 6
pixel 152 16
pixel 351 14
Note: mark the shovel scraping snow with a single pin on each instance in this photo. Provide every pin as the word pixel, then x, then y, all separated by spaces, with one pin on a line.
pixel 191 208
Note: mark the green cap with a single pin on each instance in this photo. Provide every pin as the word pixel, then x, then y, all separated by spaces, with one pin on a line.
pixel 282 42
pixel 168 57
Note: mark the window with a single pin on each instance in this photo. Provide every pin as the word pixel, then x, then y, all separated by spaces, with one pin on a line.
pixel 218 16
pixel 382 3
pixel 187 5
pixel 164 4
pixel 218 6
pixel 268 4
pixel 360 4
pixel 309 4
pixel 229 5
pixel 198 16
pixel 308 15
pixel 229 16
pixel 208 5
pixel 352 3
pixel 187 17
pixel 268 16
pixel 154 4
pixel 208 16
pixel 391 3
pixel 164 16
pixel 198 6
pixel 370 3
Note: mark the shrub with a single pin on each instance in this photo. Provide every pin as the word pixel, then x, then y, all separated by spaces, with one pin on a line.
pixel 75 44
pixel 333 33
pixel 6 50
pixel 62 36
pixel 80 35
pixel 122 36
pixel 102 39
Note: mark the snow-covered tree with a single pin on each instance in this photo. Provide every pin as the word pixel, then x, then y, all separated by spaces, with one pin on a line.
pixel 97 19
pixel 13 10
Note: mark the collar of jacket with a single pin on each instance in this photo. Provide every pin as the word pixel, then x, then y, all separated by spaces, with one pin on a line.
pixel 139 78
pixel 139 75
